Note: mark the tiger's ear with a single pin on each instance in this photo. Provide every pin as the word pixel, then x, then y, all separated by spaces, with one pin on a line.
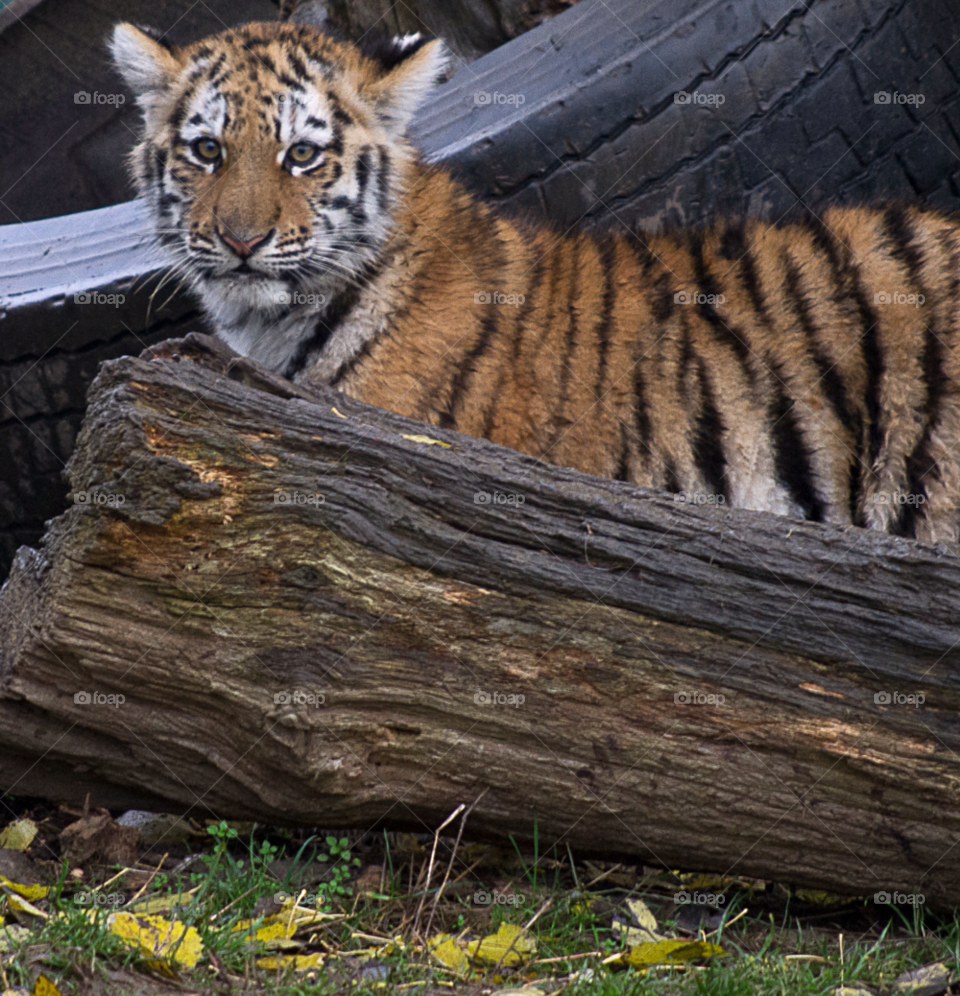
pixel 146 65
pixel 414 65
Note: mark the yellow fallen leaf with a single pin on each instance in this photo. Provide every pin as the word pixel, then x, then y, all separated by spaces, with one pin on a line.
pixel 445 949
pixel 426 440
pixel 631 937
pixel 646 930
pixel 18 836
pixel 642 914
pixel 22 905
pixel 510 945
pixel 299 963
pixel 44 987
pixel 160 904
pixel 156 936
pixel 272 928
pixel 31 892
pixel 672 951
pixel 12 936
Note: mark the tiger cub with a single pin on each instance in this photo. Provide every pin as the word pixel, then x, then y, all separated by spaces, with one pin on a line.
pixel 809 370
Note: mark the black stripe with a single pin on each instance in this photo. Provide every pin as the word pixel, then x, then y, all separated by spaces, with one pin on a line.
pixel 833 387
pixel 734 241
pixel 899 239
pixel 790 453
pixel 560 419
pixel 607 251
pixel 291 84
pixel 350 365
pixel 641 415
pixel 623 473
pixel 706 287
pixel 660 290
pixel 336 171
pixel 919 463
pixel 708 452
pixel 327 323
pixel 518 336
pixel 214 67
pixel 847 281
pixel 339 114
pixel 363 169
pixel 298 65
pixel 266 62
pixel 489 327
pixel 383 179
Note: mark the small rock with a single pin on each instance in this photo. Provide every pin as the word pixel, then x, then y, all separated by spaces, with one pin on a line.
pixel 154 827
pixel 929 980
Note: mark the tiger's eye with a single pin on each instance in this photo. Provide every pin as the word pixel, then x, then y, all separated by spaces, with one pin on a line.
pixel 302 152
pixel 207 149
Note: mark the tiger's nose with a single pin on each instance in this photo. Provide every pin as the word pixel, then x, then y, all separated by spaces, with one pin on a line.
pixel 244 248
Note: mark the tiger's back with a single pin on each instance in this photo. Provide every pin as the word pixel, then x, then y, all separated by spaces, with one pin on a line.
pixel 807 369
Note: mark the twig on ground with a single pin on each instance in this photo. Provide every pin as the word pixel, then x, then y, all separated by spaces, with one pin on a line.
pixel 453 857
pixel 433 856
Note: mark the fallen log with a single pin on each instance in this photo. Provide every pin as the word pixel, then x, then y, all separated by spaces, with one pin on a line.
pixel 302 610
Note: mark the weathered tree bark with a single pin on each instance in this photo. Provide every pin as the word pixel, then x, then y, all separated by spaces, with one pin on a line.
pixel 396 647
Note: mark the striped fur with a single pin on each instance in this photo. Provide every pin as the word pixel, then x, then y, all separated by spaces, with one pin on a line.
pixel 808 370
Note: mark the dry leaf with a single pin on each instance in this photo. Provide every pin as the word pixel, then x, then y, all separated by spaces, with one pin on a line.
pixel 158 937
pixel 44 987
pixel 17 896
pixel 426 440
pixel 929 980
pixel 12 936
pixel 646 930
pixel 668 952
pixel 299 963
pixel 18 836
pixel 160 904
pixel 510 945
pixel 445 949
pixel 30 892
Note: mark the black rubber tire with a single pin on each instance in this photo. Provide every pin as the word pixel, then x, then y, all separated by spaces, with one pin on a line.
pixel 601 142
pixel 799 122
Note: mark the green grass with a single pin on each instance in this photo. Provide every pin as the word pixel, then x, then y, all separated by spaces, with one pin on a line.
pixel 776 943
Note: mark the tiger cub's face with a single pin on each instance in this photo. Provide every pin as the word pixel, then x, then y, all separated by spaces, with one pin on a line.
pixel 272 156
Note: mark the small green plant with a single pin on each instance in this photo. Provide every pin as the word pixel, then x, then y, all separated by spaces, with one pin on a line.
pixel 341 863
